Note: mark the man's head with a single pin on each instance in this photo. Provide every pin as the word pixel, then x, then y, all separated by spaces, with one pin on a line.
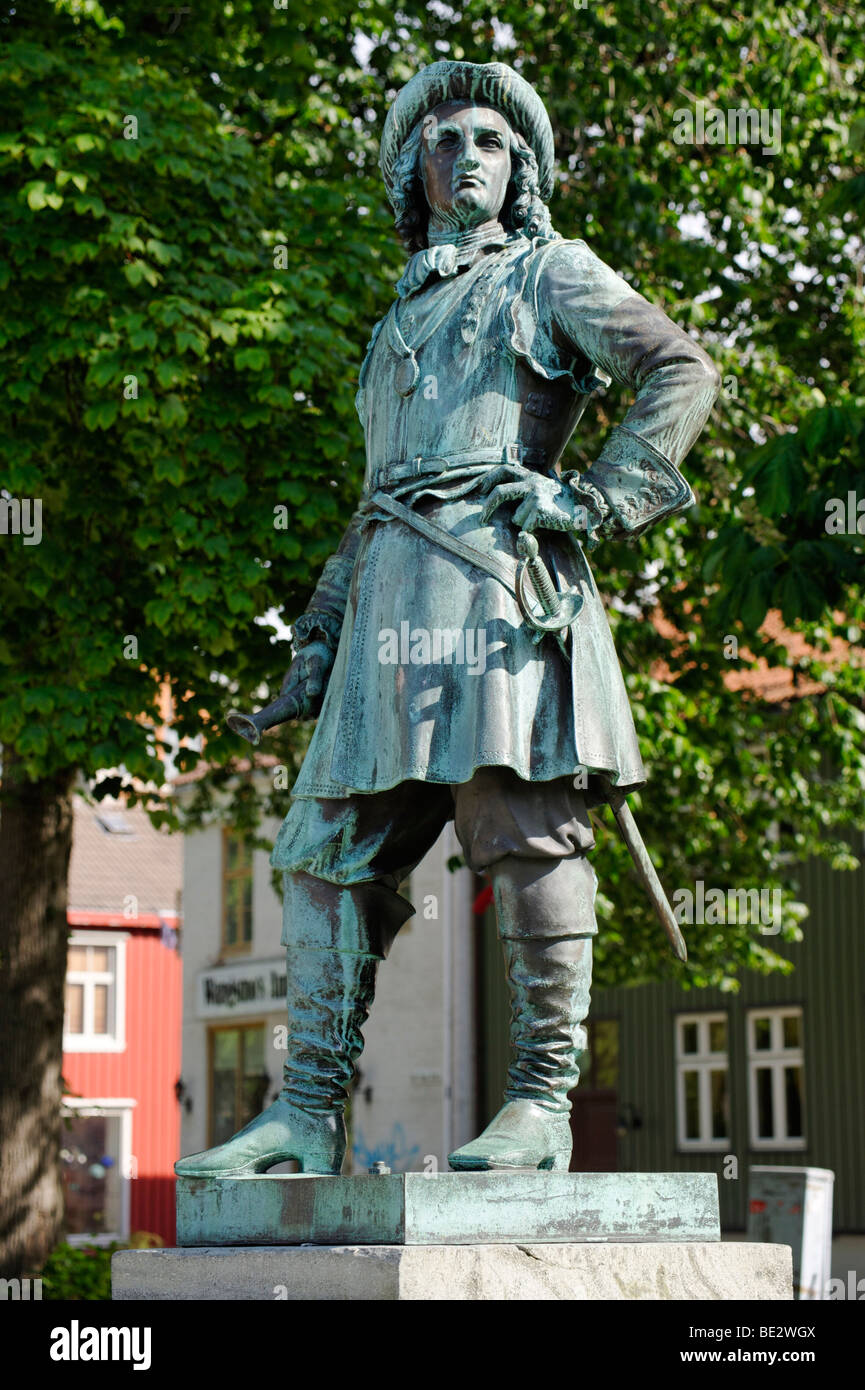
pixel 465 163
pixel 462 165
pixel 464 143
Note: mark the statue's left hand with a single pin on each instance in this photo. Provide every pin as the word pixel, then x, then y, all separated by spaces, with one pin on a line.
pixel 544 503
pixel 307 677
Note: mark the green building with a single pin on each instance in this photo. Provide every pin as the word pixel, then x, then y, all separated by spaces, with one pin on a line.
pixel 708 1081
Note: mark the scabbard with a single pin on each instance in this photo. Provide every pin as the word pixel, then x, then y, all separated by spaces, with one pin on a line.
pixel 646 870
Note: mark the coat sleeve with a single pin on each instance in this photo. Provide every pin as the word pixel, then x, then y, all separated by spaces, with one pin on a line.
pixel 588 309
pixel 322 621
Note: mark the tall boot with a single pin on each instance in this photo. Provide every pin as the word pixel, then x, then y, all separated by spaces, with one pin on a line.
pixel 550 981
pixel 330 991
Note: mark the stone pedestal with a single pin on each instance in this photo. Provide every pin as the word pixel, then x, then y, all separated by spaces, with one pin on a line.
pixel 436 1273
pixel 452 1236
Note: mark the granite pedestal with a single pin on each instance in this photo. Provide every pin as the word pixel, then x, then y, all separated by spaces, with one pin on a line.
pixel 636 1270
pixel 452 1236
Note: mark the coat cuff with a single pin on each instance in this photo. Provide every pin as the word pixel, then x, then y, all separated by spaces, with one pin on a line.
pixel 594 509
pixel 638 485
pixel 317 627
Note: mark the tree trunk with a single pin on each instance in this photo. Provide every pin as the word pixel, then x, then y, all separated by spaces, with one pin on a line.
pixel 35 844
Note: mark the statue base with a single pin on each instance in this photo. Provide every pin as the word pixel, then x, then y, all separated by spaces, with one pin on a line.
pixel 634 1271
pixel 523 1206
pixel 452 1236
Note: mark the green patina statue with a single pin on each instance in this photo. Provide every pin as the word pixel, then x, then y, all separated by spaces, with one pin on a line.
pixel 456 649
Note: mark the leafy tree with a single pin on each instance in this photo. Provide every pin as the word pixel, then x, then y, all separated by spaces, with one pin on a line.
pixel 179 345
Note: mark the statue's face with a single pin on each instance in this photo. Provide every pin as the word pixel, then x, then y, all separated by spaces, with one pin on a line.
pixel 465 163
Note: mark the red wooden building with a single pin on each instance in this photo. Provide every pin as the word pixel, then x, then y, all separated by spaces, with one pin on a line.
pixel 121 1043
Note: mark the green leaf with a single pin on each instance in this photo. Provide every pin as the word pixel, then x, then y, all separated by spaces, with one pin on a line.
pixel 255 358
pixel 169 371
pixel 33 740
pixel 85 142
pixel 38 701
pixel 169 468
pixel 143 337
pixel 91 204
pixel 293 492
pixel 159 612
pixel 797 598
pixel 161 251
pixel 40 196
pixel 193 342
pixel 226 331
pixel 756 601
pixel 172 412
pixel 228 490
pixel 65 176
pixel 101 415
pixel 278 396
pixel 778 476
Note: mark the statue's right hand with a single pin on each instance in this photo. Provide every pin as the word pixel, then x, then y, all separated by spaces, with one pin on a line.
pixel 307 677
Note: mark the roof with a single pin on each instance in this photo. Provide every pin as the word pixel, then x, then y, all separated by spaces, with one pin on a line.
pixel 773 684
pixel 118 855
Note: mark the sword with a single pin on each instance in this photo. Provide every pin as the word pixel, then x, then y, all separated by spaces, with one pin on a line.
pixel 560 612
pixel 646 870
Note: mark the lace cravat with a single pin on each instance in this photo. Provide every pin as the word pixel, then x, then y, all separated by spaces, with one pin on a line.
pixel 449 254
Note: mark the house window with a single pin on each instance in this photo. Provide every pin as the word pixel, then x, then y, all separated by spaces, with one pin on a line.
pixel 236 893
pixel 94 1019
pixel 599 1063
pixel 776 1078
pixel 702 1081
pixel 95 1165
pixel 239 1080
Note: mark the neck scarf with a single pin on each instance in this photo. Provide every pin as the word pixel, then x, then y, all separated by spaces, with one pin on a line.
pixel 447 253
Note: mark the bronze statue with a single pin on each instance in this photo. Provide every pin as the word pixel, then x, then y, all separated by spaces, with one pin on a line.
pixel 456 650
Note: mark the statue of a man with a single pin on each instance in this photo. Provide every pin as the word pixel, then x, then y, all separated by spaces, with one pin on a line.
pixel 443 696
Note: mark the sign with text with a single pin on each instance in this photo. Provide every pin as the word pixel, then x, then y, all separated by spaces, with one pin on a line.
pixel 249 987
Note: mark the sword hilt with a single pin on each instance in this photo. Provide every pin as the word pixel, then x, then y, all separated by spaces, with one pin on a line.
pixel 559 609
pixel 528 547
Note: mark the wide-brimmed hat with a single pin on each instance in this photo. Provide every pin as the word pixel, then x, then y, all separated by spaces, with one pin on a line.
pixel 488 84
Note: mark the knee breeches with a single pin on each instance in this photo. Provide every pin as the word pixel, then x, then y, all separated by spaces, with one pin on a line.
pixel 532 838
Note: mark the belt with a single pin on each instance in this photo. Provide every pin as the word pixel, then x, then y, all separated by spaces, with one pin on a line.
pixel 504 573
pixel 511 575
pixel 421 464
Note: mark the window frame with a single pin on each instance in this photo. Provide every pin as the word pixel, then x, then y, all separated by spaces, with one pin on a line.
pixel 703 1062
pixel 236 948
pixel 114 1041
pixel 120 1108
pixel 774 1059
pixel 226 1026
pixel 588 1076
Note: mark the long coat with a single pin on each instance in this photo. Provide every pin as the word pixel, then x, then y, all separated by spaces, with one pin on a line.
pixel 491 364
